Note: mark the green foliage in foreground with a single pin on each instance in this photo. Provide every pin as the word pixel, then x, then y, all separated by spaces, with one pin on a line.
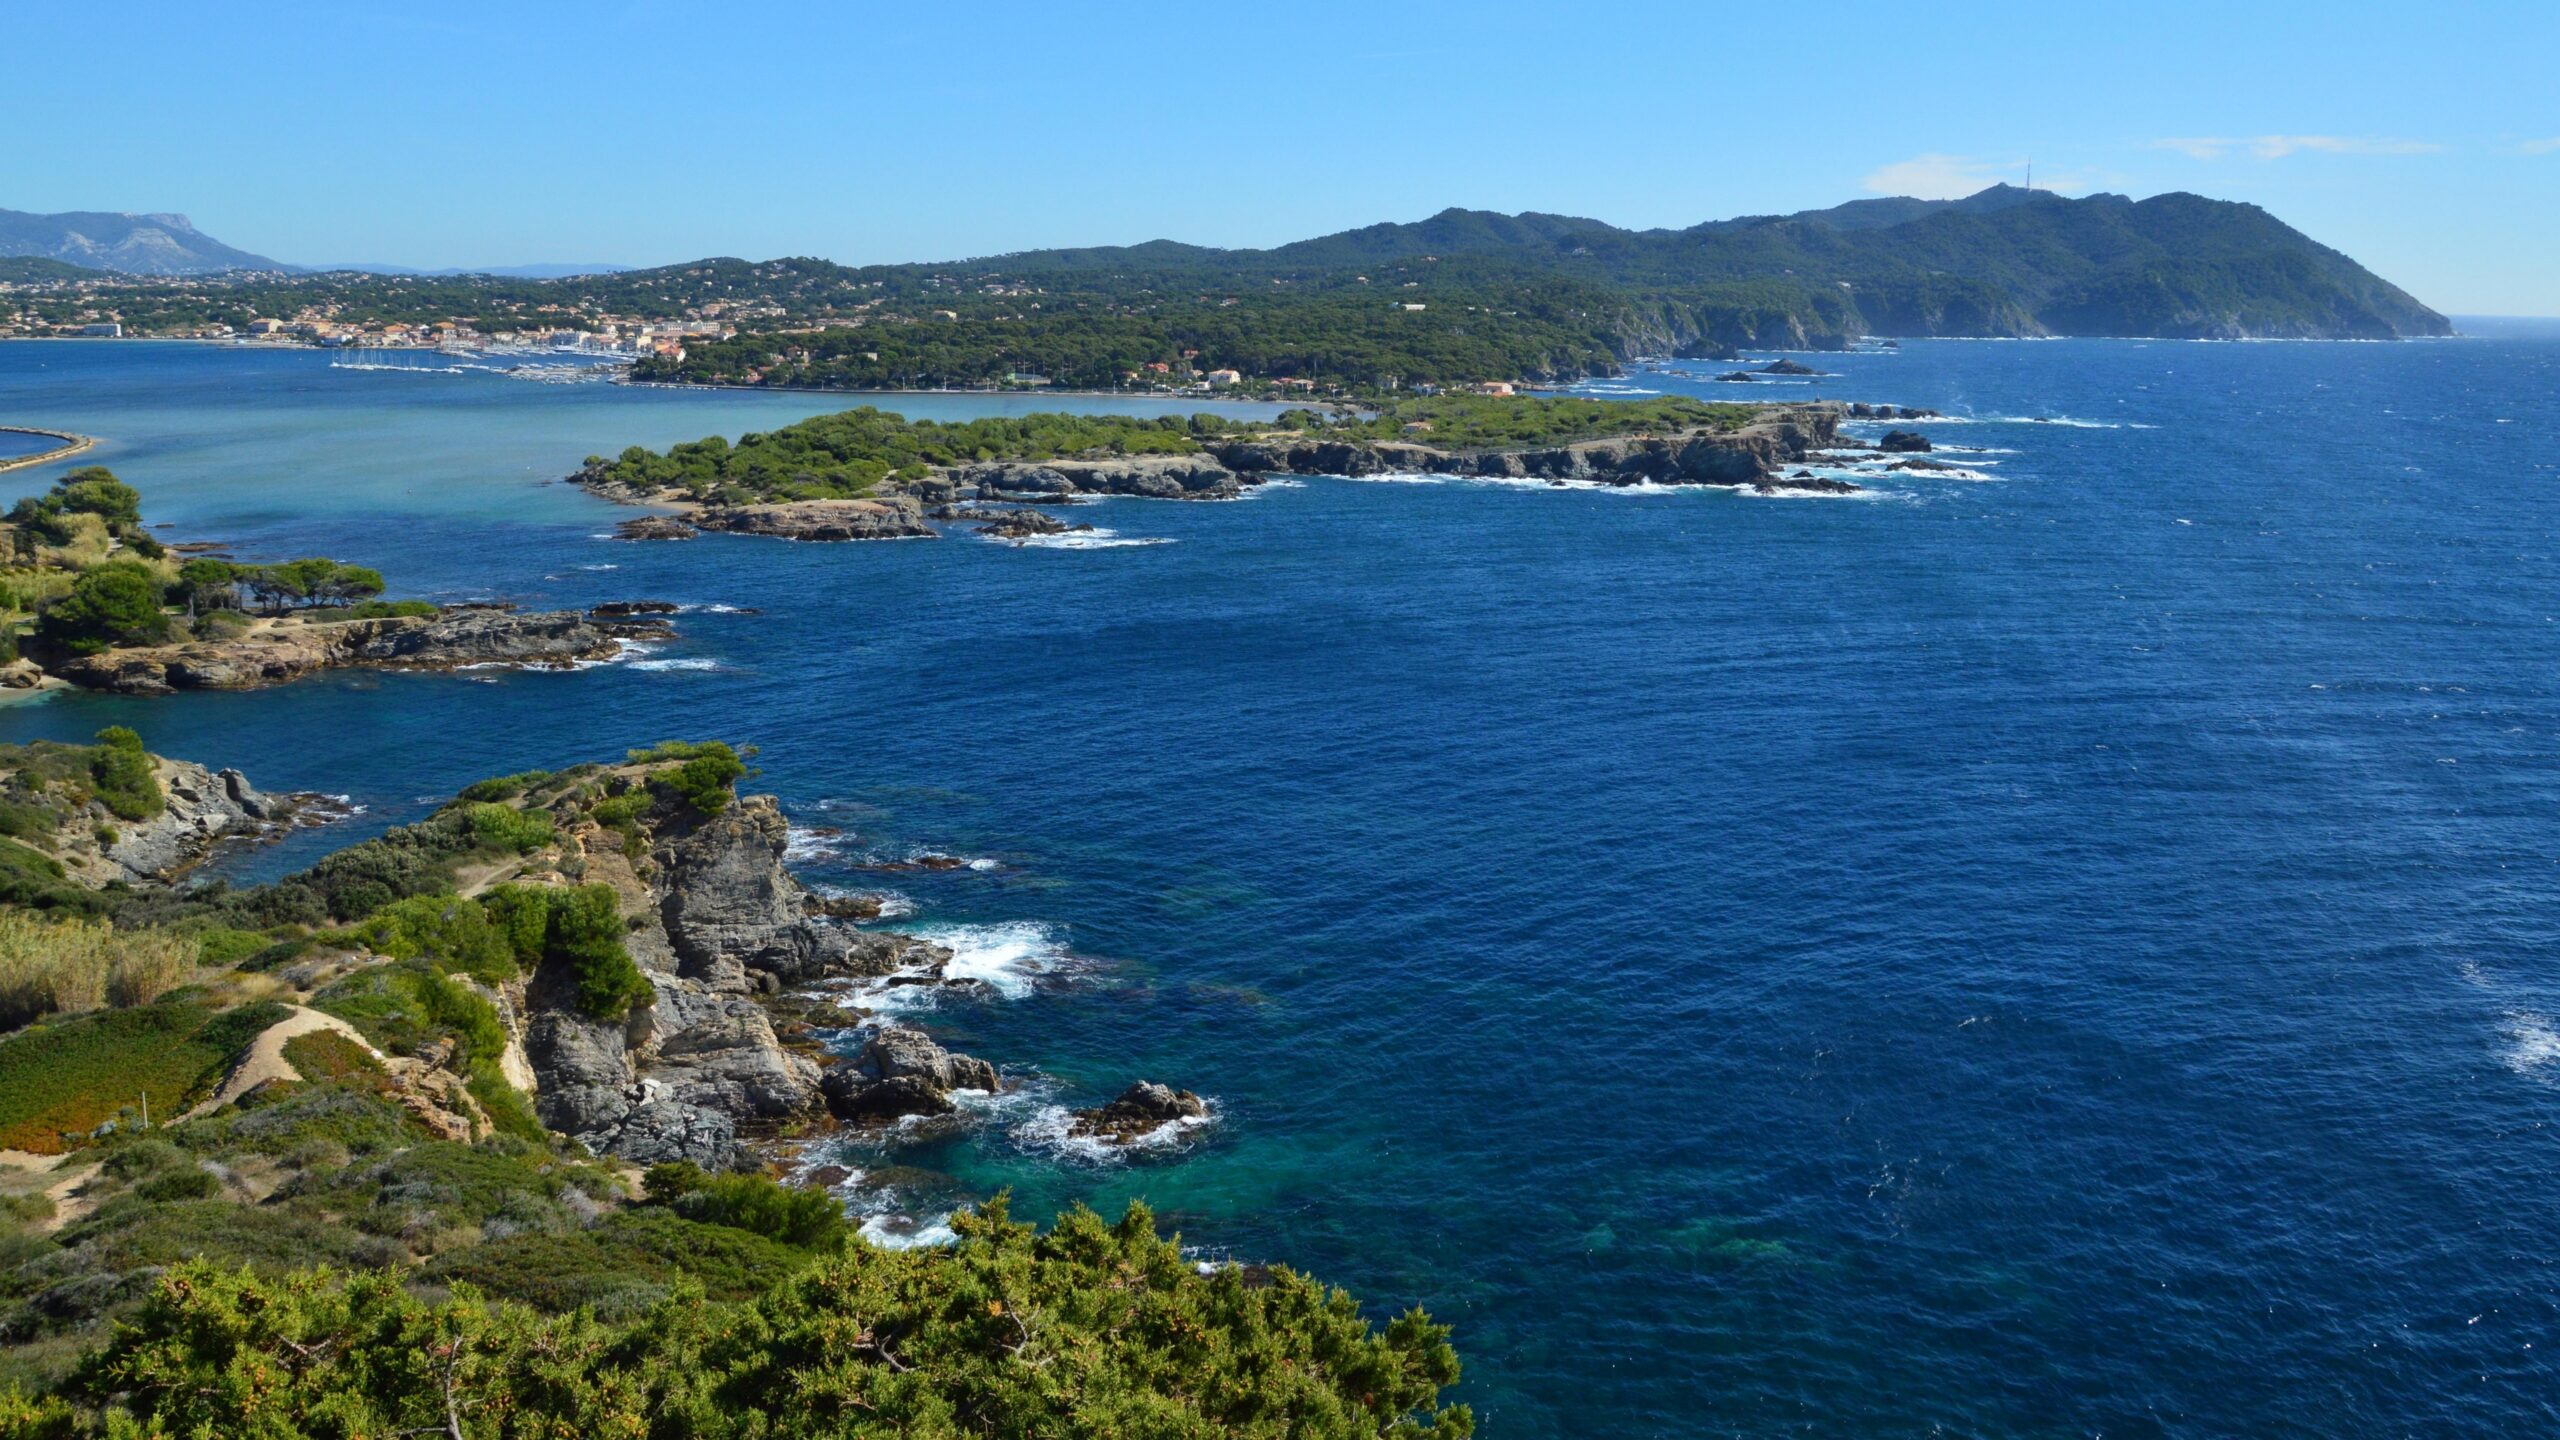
pixel 1467 422
pixel 847 454
pixel 807 1218
pixel 1092 1329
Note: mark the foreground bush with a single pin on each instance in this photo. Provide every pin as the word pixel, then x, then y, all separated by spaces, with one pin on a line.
pixel 1093 1329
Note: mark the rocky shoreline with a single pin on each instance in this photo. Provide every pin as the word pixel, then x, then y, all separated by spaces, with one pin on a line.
pixel 1755 457
pixel 275 654
pixel 750 972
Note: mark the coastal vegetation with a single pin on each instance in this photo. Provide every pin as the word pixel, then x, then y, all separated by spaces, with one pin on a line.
pixel 1484 422
pixel 370 1231
pixel 82 576
pixel 847 454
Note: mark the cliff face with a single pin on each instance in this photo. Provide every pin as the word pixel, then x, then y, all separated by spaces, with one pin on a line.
pixel 718 926
pixel 1750 456
pixel 280 653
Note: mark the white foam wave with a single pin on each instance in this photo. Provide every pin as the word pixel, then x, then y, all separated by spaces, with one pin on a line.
pixel 1094 539
pixel 1048 1130
pixel 2533 1044
pixel 607 565
pixel 1008 958
pixel 688 663
pixel 906 1232
pixel 801 843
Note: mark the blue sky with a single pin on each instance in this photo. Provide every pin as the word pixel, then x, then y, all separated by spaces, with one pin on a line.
pixel 2423 140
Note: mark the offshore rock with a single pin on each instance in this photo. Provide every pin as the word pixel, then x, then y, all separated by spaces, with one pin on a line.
pixel 1141 1110
pixel 654 527
pixel 891 517
pixel 1902 442
pixel 901 1072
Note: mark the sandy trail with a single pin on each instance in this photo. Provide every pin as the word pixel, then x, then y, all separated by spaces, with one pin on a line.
pixel 265 1058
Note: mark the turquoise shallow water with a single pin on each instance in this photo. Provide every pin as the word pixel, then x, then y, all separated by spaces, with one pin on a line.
pixel 2059 953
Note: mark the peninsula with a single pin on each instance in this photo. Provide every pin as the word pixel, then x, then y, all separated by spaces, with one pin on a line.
pixel 89 597
pixel 867 474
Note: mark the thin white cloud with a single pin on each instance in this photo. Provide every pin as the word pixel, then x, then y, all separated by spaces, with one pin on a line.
pixel 1952 177
pixel 2276 147
pixel 2539 147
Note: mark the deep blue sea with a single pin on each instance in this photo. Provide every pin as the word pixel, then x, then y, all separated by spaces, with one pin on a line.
pixel 2062 953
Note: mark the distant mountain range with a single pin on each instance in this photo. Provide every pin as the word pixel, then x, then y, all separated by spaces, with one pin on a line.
pixel 172 245
pixel 552 271
pixel 2004 262
pixel 131 244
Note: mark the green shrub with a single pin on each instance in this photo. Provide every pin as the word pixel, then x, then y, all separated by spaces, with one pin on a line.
pixel 122 775
pixel 810 1219
pixel 456 933
pixel 27 822
pixel 505 787
pixel 623 1265
pixel 223 947
pixel 326 1055
pixel 585 934
pixel 703 781
pixel 389 609
pixel 114 604
pixel 504 827
pixel 1092 1329
pixel 221 625
pixel 188 1184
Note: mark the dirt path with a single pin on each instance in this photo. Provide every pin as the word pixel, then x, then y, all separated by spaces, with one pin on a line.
pixel 265 1058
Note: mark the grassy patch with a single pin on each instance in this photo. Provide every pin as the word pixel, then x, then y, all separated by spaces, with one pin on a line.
pixel 60 1082
pixel 327 1055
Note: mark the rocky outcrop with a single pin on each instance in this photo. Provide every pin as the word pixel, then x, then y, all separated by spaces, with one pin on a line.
pixel 719 927
pixel 625 609
pixel 1156 477
pixel 893 517
pixel 654 527
pixel 289 650
pixel 1755 454
pixel 1787 367
pixel 1027 524
pixel 736 920
pixel 902 1072
pixel 1902 442
pixel 204 809
pixel 1141 1110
